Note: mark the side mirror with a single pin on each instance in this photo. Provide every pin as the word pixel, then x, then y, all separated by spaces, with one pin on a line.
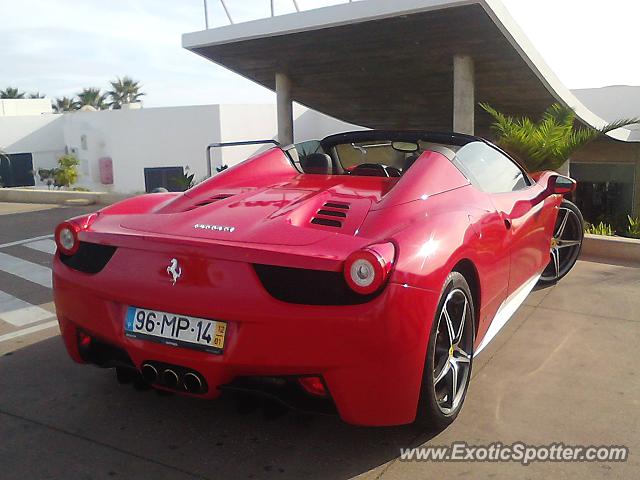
pixel 560 185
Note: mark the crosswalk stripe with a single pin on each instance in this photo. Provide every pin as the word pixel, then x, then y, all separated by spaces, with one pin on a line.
pixel 20 313
pixel 29 271
pixel 46 246
pixel 15 311
pixel 28 331
pixel 26 240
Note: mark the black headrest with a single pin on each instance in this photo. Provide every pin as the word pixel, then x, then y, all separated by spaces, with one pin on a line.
pixel 317 163
pixel 409 161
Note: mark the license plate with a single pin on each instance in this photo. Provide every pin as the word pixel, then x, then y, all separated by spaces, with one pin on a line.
pixel 174 329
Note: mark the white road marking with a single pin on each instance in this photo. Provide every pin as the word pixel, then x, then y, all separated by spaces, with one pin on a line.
pixel 26 240
pixel 29 271
pixel 46 246
pixel 20 313
pixel 15 311
pixel 28 331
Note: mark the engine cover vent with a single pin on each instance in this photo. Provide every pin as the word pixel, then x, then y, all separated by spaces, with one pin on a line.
pixel 215 198
pixel 332 214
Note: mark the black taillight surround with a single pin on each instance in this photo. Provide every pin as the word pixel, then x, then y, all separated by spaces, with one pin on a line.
pixel 90 258
pixel 308 287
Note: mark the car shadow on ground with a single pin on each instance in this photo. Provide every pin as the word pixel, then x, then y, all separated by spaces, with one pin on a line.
pixel 208 439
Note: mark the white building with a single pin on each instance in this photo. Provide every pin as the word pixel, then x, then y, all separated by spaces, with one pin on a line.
pixel 10 107
pixel 147 144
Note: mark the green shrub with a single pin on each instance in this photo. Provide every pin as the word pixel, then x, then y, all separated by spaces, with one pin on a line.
pixel 600 229
pixel 64 176
pixel 47 176
pixel 186 180
pixel 67 172
pixel 633 230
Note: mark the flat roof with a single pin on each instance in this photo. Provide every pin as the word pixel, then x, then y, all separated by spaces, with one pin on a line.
pixel 389 64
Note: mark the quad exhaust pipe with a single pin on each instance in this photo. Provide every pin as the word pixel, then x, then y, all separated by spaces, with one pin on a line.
pixel 149 373
pixel 170 378
pixel 173 377
pixel 192 383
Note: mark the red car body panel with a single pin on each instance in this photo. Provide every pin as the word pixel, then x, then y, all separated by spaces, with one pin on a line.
pixel 370 355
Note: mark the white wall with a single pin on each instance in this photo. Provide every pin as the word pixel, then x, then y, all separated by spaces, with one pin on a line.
pixel 40 135
pixel 313 125
pixel 24 106
pixel 259 122
pixel 153 137
pixel 241 123
pixel 612 103
pixel 138 139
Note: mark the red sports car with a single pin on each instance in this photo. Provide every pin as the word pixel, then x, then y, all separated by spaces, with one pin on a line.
pixel 359 274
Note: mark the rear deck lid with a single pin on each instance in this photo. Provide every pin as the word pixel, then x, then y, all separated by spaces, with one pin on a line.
pixel 300 212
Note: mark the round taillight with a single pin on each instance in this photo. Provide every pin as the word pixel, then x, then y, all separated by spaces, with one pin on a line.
pixel 362 272
pixel 67 238
pixel 66 235
pixel 366 270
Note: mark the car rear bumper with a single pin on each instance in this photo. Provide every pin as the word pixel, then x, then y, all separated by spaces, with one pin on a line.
pixel 370 356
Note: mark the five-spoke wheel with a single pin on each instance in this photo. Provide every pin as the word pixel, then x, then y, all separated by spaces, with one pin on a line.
pixel 453 351
pixel 449 356
pixel 566 243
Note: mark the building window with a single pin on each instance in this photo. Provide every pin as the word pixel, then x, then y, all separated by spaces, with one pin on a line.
pixel 16 170
pixel 605 191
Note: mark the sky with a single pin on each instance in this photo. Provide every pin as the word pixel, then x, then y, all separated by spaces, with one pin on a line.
pixel 58 47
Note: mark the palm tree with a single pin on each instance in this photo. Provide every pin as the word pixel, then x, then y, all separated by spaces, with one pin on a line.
pixel 36 95
pixel 11 92
pixel 65 104
pixel 92 97
pixel 124 90
pixel 547 144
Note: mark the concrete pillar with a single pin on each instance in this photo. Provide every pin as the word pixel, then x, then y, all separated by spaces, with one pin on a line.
pixel 464 103
pixel 285 109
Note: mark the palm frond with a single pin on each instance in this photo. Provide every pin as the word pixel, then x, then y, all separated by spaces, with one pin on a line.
pixel 625 122
pixel 124 90
pixel 548 143
pixel 92 97
pixel 11 93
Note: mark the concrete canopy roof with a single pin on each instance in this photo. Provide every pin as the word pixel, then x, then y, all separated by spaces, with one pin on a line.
pixel 384 64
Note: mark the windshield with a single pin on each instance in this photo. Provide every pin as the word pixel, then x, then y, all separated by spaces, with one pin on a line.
pixel 372 158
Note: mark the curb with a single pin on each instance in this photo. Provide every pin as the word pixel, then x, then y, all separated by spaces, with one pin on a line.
pixel 62 197
pixel 619 249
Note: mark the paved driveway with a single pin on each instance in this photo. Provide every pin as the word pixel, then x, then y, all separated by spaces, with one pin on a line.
pixel 562 370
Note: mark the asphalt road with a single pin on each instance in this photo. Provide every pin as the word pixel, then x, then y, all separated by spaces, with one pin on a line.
pixel 562 370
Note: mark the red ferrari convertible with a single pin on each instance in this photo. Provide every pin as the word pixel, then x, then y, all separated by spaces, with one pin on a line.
pixel 359 274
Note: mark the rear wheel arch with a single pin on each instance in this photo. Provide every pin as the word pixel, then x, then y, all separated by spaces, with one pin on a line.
pixel 468 270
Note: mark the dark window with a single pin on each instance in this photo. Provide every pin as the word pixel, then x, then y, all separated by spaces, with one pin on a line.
pixel 605 191
pixel 309 147
pixel 16 170
pixel 490 170
pixel 165 177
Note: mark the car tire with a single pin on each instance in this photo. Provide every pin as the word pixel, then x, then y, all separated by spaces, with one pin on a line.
pixel 566 243
pixel 436 410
